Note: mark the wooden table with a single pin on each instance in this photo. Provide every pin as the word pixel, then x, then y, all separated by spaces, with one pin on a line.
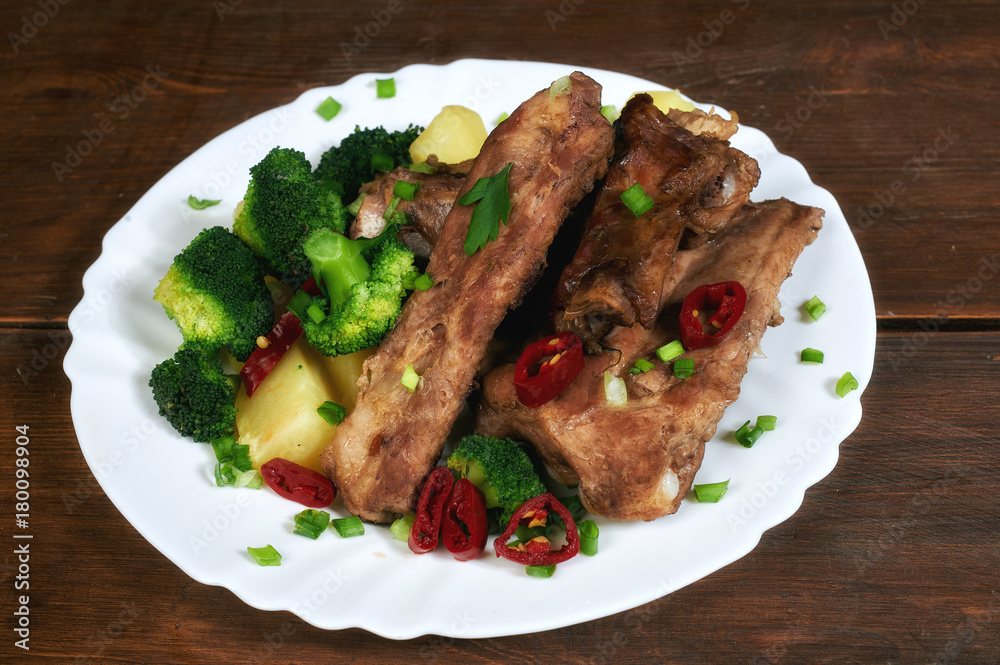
pixel 893 558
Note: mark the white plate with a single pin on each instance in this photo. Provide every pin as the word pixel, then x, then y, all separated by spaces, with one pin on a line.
pixel 163 483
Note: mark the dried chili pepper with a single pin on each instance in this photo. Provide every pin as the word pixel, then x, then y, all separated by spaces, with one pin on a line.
pixel 298 483
pixel 537 551
pixel 465 528
pixel 548 367
pixel 728 299
pixel 426 527
pixel 263 360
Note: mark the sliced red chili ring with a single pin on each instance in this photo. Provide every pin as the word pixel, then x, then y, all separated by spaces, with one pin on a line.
pixel 426 527
pixel 536 552
pixel 465 528
pixel 298 483
pixel 728 299
pixel 547 367
pixel 263 360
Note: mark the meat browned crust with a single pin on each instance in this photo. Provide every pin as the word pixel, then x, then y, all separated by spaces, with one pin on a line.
pixel 381 454
pixel 637 462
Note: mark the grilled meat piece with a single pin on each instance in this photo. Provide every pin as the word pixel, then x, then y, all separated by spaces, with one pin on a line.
pixel 696 183
pixel 381 454
pixel 638 461
pixel 426 211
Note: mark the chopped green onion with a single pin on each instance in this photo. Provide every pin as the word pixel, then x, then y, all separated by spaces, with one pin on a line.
pixel 315 312
pixel 560 86
pixel 400 529
pixel 711 492
pixel 251 479
pixel 410 378
pixel 588 537
pixel 846 384
pixel 683 368
pixel 332 186
pixel 329 108
pixel 767 423
pixel 356 204
pixel 332 412
pixel 299 303
pixel 385 88
pixel 348 527
pixel 811 356
pixel 641 365
pixel 541 571
pixel 815 307
pixel 311 523
pixel 390 210
pixel 241 457
pixel 406 190
pixel 500 118
pixel 265 556
pixel 381 162
pixel 423 282
pixel 201 204
pixel 668 352
pixel 614 390
pixel 423 167
pixel 223 448
pixel 610 112
pixel 637 200
pixel 225 474
pixel 746 436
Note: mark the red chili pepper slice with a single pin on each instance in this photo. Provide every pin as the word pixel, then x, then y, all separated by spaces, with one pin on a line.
pixel 548 367
pixel 536 552
pixel 297 483
pixel 465 527
pixel 426 527
pixel 262 361
pixel 311 287
pixel 728 299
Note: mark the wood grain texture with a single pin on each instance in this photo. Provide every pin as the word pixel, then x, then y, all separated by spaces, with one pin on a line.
pixel 890 105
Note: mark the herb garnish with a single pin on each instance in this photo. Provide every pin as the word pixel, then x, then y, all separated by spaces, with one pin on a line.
pixel 493 208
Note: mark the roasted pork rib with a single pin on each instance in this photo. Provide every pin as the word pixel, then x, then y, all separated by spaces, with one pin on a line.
pixel 637 462
pixel 380 455
pixel 695 182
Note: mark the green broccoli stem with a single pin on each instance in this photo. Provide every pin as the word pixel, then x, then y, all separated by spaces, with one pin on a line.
pixel 338 263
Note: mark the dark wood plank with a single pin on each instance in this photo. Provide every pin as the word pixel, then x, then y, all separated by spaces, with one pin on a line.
pixel 891 559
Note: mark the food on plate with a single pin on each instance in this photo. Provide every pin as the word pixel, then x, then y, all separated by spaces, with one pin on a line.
pixel 501 469
pixel 194 395
pixel 694 183
pixel 454 135
pixel 636 462
pixel 556 146
pixel 365 151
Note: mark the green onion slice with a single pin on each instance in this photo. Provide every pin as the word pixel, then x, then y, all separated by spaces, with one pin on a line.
pixel 614 390
pixel 251 479
pixel 201 204
pixel 400 529
pixel 846 384
pixel 541 571
pixel 385 88
pixel 332 412
pixel 329 108
pixel 423 282
pixel 746 436
pixel 406 190
pixel 348 527
pixel 356 204
pixel 684 368
pixel 315 312
pixel 500 118
pixel 311 523
pixel 767 423
pixel 637 200
pixel 668 352
pixel 588 537
pixel 410 378
pixel 381 162
pixel 561 86
pixel 711 492
pixel 265 556
pixel 811 356
pixel 225 474
pixel 610 112
pixel 423 167
pixel 815 307
pixel 641 365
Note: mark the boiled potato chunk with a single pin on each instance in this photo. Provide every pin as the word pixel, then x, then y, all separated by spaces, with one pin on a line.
pixel 668 99
pixel 280 420
pixel 455 134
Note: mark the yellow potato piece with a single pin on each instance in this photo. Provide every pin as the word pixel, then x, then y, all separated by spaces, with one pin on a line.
pixel 454 135
pixel 280 420
pixel 668 99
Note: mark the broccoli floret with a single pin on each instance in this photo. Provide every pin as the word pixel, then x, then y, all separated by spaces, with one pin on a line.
pixel 350 163
pixel 362 283
pixel 500 468
pixel 215 292
pixel 282 205
pixel 194 395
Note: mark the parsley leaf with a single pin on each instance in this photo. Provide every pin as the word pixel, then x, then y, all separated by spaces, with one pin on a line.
pixel 493 207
